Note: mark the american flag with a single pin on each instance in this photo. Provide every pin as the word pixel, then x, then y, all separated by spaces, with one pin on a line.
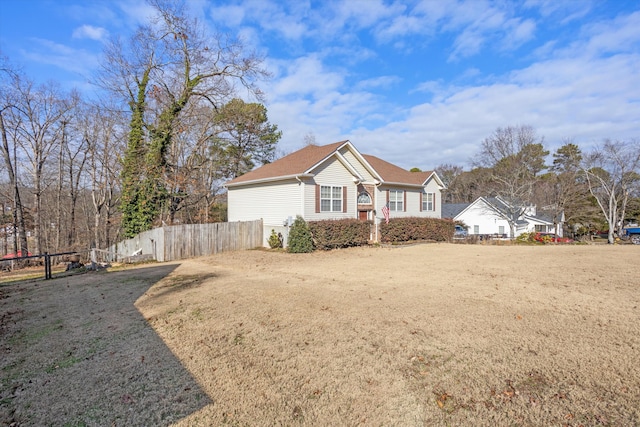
pixel 385 212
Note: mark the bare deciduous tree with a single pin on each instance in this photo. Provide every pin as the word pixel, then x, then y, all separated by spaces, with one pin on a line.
pixel 515 156
pixel 9 122
pixel 40 130
pixel 169 64
pixel 612 172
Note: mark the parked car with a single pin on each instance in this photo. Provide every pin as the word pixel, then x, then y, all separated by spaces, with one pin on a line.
pixel 10 256
pixel 460 232
pixel 549 237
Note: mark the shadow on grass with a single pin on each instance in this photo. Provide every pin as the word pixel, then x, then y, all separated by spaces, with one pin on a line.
pixel 76 351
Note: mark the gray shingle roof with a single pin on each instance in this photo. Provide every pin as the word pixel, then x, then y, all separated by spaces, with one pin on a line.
pixel 451 210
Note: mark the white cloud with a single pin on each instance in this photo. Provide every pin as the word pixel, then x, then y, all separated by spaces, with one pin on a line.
pixel 618 35
pixel 75 60
pixel 90 32
pixel 305 76
pixel 378 82
pixel 231 15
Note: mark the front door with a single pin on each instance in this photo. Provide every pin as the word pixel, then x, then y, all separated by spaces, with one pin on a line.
pixel 363 215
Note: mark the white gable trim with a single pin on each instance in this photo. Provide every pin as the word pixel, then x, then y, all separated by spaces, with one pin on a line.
pixel 344 161
pixel 435 176
pixel 489 206
pixel 364 162
pixel 402 184
pixel 326 158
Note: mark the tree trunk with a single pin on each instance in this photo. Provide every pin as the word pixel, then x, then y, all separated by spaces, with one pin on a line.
pixel 19 231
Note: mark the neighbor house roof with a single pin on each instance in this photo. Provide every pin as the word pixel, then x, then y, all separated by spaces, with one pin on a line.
pixel 302 161
pixel 451 210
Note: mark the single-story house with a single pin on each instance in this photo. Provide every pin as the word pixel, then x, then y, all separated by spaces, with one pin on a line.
pixel 489 216
pixel 327 182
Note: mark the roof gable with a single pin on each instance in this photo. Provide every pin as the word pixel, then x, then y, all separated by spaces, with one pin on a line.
pixel 294 164
pixel 304 161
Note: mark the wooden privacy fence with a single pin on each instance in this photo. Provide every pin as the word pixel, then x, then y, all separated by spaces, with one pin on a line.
pixel 191 240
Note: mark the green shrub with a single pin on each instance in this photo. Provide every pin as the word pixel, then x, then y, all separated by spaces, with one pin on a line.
pixel 527 238
pixel 275 240
pixel 341 233
pixel 300 240
pixel 416 229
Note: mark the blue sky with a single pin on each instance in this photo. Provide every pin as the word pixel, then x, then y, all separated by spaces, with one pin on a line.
pixel 418 83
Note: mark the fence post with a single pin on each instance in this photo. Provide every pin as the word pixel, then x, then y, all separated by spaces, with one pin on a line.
pixel 47 266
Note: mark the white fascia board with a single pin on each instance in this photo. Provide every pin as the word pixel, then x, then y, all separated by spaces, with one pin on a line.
pixel 437 178
pixel 537 220
pixel 402 184
pixel 489 206
pixel 362 160
pixel 349 166
pixel 326 158
pixel 272 179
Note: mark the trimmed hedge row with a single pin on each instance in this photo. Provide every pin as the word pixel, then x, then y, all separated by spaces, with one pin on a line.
pixel 342 233
pixel 416 229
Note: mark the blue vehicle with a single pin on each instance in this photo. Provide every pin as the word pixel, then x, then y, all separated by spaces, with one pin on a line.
pixel 460 232
pixel 632 233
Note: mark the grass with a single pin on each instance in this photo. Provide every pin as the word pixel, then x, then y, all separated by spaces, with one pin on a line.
pixel 435 334
pixel 30 336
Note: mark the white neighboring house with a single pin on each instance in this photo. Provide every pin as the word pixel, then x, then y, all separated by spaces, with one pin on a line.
pixel 489 216
pixel 332 181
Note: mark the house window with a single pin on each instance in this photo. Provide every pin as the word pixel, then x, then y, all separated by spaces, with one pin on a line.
pixel 330 199
pixel 428 201
pixel 364 198
pixel 541 228
pixel 396 200
pixel 501 229
pixel 476 229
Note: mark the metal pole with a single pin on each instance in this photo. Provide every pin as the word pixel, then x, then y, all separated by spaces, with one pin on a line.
pixel 47 266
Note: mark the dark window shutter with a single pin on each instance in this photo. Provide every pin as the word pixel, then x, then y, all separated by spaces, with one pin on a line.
pixel 387 196
pixel 344 199
pixel 434 201
pixel 317 198
pixel 404 205
pixel 421 200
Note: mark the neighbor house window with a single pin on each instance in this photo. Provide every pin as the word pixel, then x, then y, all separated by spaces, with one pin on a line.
pixel 428 201
pixel 330 199
pixel 501 229
pixel 396 200
pixel 476 229
pixel 541 228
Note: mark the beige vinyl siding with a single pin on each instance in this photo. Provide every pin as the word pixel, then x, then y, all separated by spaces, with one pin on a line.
pixel 432 187
pixel 331 173
pixel 411 198
pixel 355 163
pixel 273 202
pixel 413 202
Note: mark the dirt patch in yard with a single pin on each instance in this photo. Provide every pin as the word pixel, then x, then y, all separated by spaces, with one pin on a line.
pixel 434 334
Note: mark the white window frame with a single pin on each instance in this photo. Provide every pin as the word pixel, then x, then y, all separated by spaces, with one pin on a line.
pixel 476 229
pixel 330 198
pixel 428 205
pixel 396 200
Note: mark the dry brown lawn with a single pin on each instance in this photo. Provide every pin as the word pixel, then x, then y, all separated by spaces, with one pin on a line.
pixel 428 335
